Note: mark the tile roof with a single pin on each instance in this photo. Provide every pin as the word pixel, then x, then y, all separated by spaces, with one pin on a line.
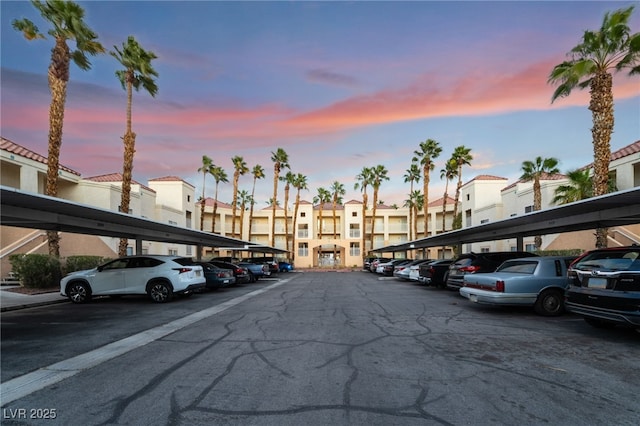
pixel 543 176
pixel 209 202
pixel 115 178
pixel 14 148
pixel 170 179
pixel 627 150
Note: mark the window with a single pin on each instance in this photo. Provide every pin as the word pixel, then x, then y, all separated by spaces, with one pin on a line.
pixel 303 214
pixel 173 252
pixel 303 230
pixel 303 249
pixel 484 221
pixel 354 230
pixel 173 222
pixel 530 247
pixel 354 214
pixel 354 249
pixel 188 198
pixel 528 209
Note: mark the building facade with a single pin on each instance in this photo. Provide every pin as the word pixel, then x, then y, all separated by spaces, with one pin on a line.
pixel 318 236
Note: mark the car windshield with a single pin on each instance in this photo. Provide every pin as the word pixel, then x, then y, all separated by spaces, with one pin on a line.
pixel 518 266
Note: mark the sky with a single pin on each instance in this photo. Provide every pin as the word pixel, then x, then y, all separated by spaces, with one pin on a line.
pixel 339 85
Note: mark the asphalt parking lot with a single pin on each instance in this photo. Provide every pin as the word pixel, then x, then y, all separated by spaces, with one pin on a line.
pixel 319 349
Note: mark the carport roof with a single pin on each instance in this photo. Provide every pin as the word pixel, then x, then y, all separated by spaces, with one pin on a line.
pixel 616 209
pixel 36 211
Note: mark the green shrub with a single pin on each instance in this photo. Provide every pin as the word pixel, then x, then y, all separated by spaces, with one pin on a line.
pixel 36 270
pixel 80 263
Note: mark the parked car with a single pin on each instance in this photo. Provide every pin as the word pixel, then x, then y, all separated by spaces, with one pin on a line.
pixel 472 263
pixel 389 267
pixel 159 276
pixel 604 287
pixel 366 265
pixel 285 266
pixel 414 269
pixel 432 273
pixel 374 263
pixel 241 274
pixel 217 277
pixel 402 272
pixel 389 263
pixel 274 268
pixel 529 281
pixel 256 270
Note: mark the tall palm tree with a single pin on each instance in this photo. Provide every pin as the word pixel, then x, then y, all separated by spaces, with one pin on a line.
pixel 288 181
pixel 337 191
pixel 280 161
pixel 239 169
pixel 611 48
pixel 324 196
pixel 417 201
pixel 300 183
pixel 462 156
pixel 532 171
pixel 219 175
pixel 363 180
pixel 138 72
pixel 67 20
pixel 378 174
pixel 258 173
pixel 243 198
pixel 205 169
pixel 449 172
pixel 429 150
pixel 412 175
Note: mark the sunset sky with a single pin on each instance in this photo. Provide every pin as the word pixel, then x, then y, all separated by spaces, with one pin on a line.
pixel 337 85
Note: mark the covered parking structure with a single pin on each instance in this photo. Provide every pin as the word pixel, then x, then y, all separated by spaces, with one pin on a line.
pixel 36 211
pixel 606 211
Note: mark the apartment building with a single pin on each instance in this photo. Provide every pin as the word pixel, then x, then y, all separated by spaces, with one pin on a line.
pixel 311 239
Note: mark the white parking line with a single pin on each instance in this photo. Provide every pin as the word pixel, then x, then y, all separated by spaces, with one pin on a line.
pixel 22 386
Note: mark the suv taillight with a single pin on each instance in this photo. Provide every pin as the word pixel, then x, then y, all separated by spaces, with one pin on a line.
pixel 470 269
pixel 182 270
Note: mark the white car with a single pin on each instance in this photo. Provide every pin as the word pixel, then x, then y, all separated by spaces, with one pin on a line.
pixel 159 276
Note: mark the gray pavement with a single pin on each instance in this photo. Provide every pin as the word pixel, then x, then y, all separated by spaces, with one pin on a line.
pixel 10 301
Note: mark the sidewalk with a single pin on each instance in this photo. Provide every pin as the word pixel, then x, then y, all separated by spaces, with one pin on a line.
pixel 10 301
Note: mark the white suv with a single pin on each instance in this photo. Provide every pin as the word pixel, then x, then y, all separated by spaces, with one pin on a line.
pixel 156 275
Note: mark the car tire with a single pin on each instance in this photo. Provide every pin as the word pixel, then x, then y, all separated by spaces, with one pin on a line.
pixel 598 323
pixel 550 303
pixel 160 292
pixel 79 292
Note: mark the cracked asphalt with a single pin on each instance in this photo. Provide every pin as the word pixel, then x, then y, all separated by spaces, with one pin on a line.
pixel 323 349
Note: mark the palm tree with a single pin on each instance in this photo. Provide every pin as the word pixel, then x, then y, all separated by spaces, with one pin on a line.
pixel 243 198
pixel 67 20
pixel 337 191
pixel 429 150
pixel 580 187
pixel 324 196
pixel 258 173
pixel 300 183
pixel 205 169
pixel 462 156
pixel 288 181
pixel 280 161
pixel 532 171
pixel 413 175
pixel 363 180
pixel 219 175
pixel 449 172
pixel 239 169
pixel 378 174
pixel 612 48
pixel 138 72
pixel 417 201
